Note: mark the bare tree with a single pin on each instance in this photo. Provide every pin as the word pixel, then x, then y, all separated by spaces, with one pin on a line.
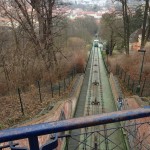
pixel 126 22
pixel 146 24
pixel 38 19
pixel 34 26
pixel 111 30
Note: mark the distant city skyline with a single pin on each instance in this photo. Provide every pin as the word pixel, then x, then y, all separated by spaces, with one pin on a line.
pixel 86 1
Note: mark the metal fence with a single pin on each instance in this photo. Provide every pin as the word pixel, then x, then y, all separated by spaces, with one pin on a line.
pixel 133 85
pixel 136 134
pixel 54 89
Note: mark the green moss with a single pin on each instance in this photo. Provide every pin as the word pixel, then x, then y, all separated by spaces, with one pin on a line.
pixel 2 126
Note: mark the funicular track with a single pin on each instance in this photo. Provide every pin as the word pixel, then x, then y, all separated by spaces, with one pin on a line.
pixel 97 99
pixel 96 102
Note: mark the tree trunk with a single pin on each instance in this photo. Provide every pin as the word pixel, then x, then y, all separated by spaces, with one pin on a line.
pixel 126 26
pixel 143 42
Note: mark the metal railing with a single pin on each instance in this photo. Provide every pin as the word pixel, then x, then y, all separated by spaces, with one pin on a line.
pixel 131 129
pixel 131 139
pixel 133 85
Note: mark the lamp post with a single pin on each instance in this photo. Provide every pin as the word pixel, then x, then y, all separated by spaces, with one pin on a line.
pixel 141 70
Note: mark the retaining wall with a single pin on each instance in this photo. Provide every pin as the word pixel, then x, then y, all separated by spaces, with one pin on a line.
pixel 64 109
pixel 114 88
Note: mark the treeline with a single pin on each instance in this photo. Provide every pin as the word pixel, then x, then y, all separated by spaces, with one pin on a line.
pixel 39 44
pixel 117 27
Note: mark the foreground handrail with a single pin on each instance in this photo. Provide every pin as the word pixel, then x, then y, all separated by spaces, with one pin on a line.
pixel 70 124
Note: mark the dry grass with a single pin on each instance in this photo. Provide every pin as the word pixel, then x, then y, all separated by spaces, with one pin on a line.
pixel 75 55
pixel 132 63
pixel 10 106
pixel 132 66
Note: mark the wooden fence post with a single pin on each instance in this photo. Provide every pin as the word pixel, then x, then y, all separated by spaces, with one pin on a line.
pixel 38 82
pixel 124 76
pixel 64 85
pixel 69 80
pixel 121 73
pixel 116 69
pixel 143 87
pixel 21 104
pixel 128 81
pixel 72 75
pixel 74 71
pixel 51 88
pixel 133 87
pixel 59 87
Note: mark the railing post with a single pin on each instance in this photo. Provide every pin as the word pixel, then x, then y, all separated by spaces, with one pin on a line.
pixel 95 146
pixel 33 143
pixel 67 143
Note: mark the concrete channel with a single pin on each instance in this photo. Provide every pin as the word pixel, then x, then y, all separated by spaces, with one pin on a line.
pixel 96 98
